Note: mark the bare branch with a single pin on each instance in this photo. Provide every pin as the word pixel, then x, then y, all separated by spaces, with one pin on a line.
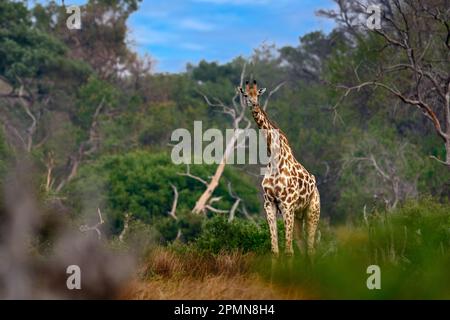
pixel 50 164
pixel 440 161
pixel 76 159
pixel 214 199
pixel 25 103
pixel 235 204
pixel 271 93
pixel 173 211
pixel 210 208
pixel 188 174
pixel 126 223
pixel 379 170
pixel 426 109
pixel 96 227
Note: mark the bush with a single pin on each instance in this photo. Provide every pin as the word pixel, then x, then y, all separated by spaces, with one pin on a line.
pixel 219 235
pixel 140 183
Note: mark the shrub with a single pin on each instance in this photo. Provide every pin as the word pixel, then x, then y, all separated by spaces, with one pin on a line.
pixel 140 182
pixel 220 235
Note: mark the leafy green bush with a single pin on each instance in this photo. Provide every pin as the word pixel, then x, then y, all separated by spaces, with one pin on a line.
pixel 220 235
pixel 140 183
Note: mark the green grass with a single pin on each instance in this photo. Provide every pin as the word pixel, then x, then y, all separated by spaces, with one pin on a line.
pixel 411 246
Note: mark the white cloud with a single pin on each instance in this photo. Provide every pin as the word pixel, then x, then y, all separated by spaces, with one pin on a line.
pixel 234 2
pixel 157 14
pixel 143 36
pixel 196 25
pixel 192 46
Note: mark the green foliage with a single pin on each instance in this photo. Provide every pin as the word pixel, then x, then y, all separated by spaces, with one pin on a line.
pixel 5 155
pixel 411 245
pixel 140 183
pixel 213 72
pixel 190 225
pixel 414 232
pixel 27 52
pixel 94 94
pixel 219 235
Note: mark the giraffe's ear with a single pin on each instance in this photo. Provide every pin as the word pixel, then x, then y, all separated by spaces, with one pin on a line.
pixel 240 90
pixel 261 91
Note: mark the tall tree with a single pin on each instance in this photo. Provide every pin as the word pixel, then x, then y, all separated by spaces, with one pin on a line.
pixel 413 62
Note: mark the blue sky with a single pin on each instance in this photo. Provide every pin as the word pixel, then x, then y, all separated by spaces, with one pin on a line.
pixel 175 32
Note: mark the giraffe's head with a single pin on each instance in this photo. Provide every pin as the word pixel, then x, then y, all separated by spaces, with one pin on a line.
pixel 251 93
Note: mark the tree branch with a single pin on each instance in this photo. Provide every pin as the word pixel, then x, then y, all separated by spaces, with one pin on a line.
pixel 173 211
pixel 188 174
pixel 96 227
pixel 271 93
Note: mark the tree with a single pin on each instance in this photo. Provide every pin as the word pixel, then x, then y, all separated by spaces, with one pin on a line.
pixel 102 40
pixel 307 61
pixel 413 45
pixel 31 62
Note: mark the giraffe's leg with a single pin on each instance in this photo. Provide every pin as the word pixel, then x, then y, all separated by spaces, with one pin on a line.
pixel 271 214
pixel 312 221
pixel 288 218
pixel 298 230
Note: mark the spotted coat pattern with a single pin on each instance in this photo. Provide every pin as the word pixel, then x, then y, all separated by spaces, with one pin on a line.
pixel 288 187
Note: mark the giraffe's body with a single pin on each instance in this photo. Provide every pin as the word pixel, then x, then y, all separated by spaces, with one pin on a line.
pixel 288 187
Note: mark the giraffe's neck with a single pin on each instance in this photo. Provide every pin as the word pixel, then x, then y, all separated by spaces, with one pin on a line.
pixel 262 119
pixel 273 134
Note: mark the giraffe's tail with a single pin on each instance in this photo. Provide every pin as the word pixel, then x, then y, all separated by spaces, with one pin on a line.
pixel 277 205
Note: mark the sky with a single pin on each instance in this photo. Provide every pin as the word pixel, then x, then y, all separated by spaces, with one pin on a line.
pixel 175 32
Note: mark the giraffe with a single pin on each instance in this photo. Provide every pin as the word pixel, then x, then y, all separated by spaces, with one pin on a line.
pixel 288 187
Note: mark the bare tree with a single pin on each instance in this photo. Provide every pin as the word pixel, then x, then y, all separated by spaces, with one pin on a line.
pixel 126 225
pixel 211 200
pixel 85 149
pixel 209 205
pixel 95 227
pixel 415 51
pixel 237 202
pixel 50 164
pixel 173 211
pixel 23 139
pixel 390 177
pixel 31 108
pixel 240 122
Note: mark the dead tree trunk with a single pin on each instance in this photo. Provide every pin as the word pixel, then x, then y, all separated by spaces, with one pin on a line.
pixel 202 202
pixel 237 112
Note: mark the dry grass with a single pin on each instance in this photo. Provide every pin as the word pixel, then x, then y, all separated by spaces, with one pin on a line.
pixel 169 264
pixel 169 275
pixel 209 288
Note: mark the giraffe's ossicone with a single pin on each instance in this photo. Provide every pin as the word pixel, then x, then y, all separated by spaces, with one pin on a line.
pixel 288 187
